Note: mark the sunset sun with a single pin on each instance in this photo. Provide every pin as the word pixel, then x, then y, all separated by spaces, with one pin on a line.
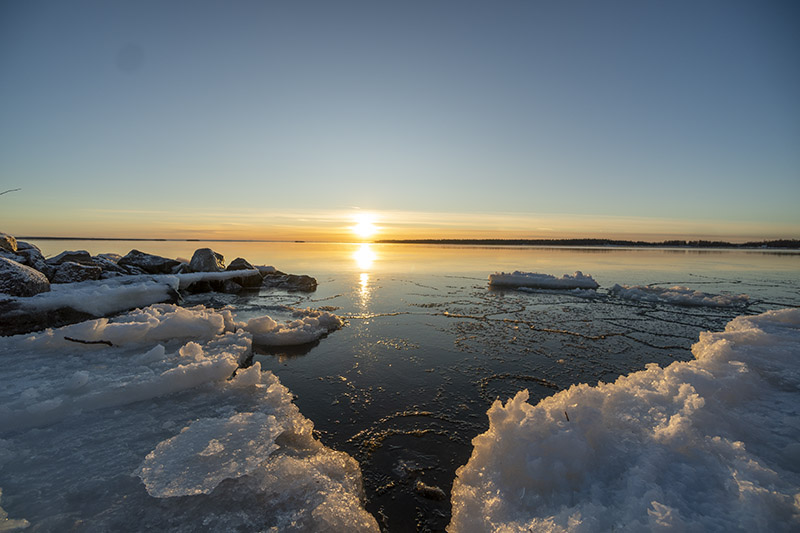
pixel 364 228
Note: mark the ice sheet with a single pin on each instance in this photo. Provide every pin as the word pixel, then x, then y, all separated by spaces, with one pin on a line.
pixel 150 423
pixel 705 445
pixel 578 280
pixel 678 295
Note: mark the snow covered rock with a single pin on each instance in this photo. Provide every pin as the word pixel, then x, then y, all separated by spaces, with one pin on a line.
pixel 17 279
pixel 206 260
pixel 578 280
pixel 151 264
pixel 69 272
pixel 8 243
pixel 705 445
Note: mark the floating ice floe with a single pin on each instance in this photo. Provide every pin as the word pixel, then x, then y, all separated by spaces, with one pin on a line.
pixel 712 444
pixel 578 280
pixel 147 421
pixel 678 295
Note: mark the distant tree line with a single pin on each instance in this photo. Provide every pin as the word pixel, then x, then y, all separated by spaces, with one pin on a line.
pixel 781 243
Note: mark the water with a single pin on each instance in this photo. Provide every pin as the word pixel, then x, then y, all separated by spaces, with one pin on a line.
pixel 404 387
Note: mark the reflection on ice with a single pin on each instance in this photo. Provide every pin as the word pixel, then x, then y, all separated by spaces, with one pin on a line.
pixel 365 256
pixel 364 290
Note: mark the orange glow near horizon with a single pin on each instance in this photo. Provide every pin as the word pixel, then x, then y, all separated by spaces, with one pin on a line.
pixel 345 225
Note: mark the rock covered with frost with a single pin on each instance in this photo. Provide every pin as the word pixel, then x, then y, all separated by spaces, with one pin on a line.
pixel 705 445
pixel 69 272
pixel 8 243
pixel 207 260
pixel 578 280
pixel 17 279
pixel 79 256
pixel 148 263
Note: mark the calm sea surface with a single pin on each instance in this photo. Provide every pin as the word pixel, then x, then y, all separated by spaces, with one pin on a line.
pixel 405 386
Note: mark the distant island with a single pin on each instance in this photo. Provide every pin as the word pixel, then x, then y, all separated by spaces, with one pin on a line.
pixel 791 244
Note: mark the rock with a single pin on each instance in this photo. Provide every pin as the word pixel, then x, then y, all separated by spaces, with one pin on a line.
pixel 432 492
pixel 136 262
pixel 33 258
pixel 8 243
pixel 109 266
pixel 240 264
pixel 17 279
pixel 79 256
pixel 14 321
pixel 69 272
pixel 207 260
pixel 182 268
pixel 114 258
pixel 231 287
pixel 22 245
pixel 292 282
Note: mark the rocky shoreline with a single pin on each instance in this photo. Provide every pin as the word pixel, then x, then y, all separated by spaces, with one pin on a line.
pixel 34 290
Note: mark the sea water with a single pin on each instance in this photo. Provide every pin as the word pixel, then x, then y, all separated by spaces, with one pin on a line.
pixel 428 345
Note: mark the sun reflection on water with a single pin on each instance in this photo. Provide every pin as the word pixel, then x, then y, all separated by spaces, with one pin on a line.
pixel 364 256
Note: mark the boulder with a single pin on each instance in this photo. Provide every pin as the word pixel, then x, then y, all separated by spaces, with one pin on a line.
pixel 136 262
pixel 114 258
pixel 109 267
pixel 182 268
pixel 207 260
pixel 292 282
pixel 251 280
pixel 69 272
pixel 8 243
pixel 240 264
pixel 22 245
pixel 32 257
pixel 231 287
pixel 17 279
pixel 79 256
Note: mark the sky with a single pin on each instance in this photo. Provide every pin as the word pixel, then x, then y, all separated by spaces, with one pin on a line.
pixel 428 119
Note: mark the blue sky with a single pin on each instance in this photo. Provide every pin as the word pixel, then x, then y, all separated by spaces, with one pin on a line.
pixel 284 119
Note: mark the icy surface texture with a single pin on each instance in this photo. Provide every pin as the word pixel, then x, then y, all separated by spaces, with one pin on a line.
pixel 578 280
pixel 678 295
pixel 307 326
pixel 148 421
pixel 104 297
pixel 705 445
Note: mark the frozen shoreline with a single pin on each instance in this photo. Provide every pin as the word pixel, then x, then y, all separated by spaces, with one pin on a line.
pixel 704 445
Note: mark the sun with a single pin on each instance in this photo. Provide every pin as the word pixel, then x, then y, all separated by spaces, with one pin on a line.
pixel 364 228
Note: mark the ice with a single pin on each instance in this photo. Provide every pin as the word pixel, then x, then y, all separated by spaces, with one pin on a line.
pixel 705 445
pixel 208 451
pixel 104 297
pixel 678 295
pixel 308 326
pixel 148 421
pixel 578 280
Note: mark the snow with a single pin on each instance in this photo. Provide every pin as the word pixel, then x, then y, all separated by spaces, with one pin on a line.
pixel 150 423
pixel 104 297
pixel 677 295
pixel 705 445
pixel 578 280
pixel 308 326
